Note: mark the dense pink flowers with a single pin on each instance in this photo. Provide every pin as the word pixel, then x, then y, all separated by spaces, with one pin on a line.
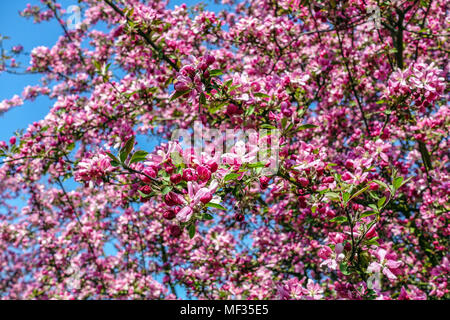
pixel 273 150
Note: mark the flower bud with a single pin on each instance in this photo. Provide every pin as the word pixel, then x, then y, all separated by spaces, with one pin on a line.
pixel 209 59
pixel 346 176
pixel 203 66
pixel 172 199
pixel 374 186
pixel 303 182
pixel 232 109
pixel 175 178
pixel 149 172
pixel 169 214
pixel 264 182
pixel 146 189
pixel 372 233
pixel 207 197
pixel 203 173
pixel 328 180
pixel 174 230
pixel 184 214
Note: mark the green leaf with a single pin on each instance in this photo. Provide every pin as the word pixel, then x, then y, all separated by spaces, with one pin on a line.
pixel 256 165
pixel 202 99
pixel 192 230
pixel 339 219
pixel 306 126
pixel 228 83
pixel 346 197
pixel 113 157
pixel 250 110
pixel 216 205
pixel 125 151
pixel 283 122
pixel 129 94
pixel 344 268
pixel 234 87
pixel 115 163
pixel 332 196
pixel 381 202
pixel 178 94
pixel 215 73
pixel 367 213
pixel 261 95
pixel 96 65
pixel 138 156
pixel 397 183
pixel 267 126
pixel 166 190
pixel 70 147
pixel 207 216
pixel 359 192
pixel 373 242
pixel 231 176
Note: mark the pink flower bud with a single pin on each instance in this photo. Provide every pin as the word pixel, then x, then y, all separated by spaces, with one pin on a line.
pixel 328 180
pixel 209 59
pixel 374 186
pixel 371 233
pixel 12 140
pixel 207 197
pixel 232 109
pixel 169 169
pixel 203 173
pixel 169 214
pixel 287 112
pixel 184 214
pixel 145 189
pixel 203 66
pixel 346 176
pixel 172 199
pixel 175 178
pixel 304 182
pixel 349 164
pixel 264 182
pixel 174 230
pixel 150 172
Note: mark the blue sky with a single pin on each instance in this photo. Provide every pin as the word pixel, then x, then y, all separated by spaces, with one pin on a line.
pixel 30 35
